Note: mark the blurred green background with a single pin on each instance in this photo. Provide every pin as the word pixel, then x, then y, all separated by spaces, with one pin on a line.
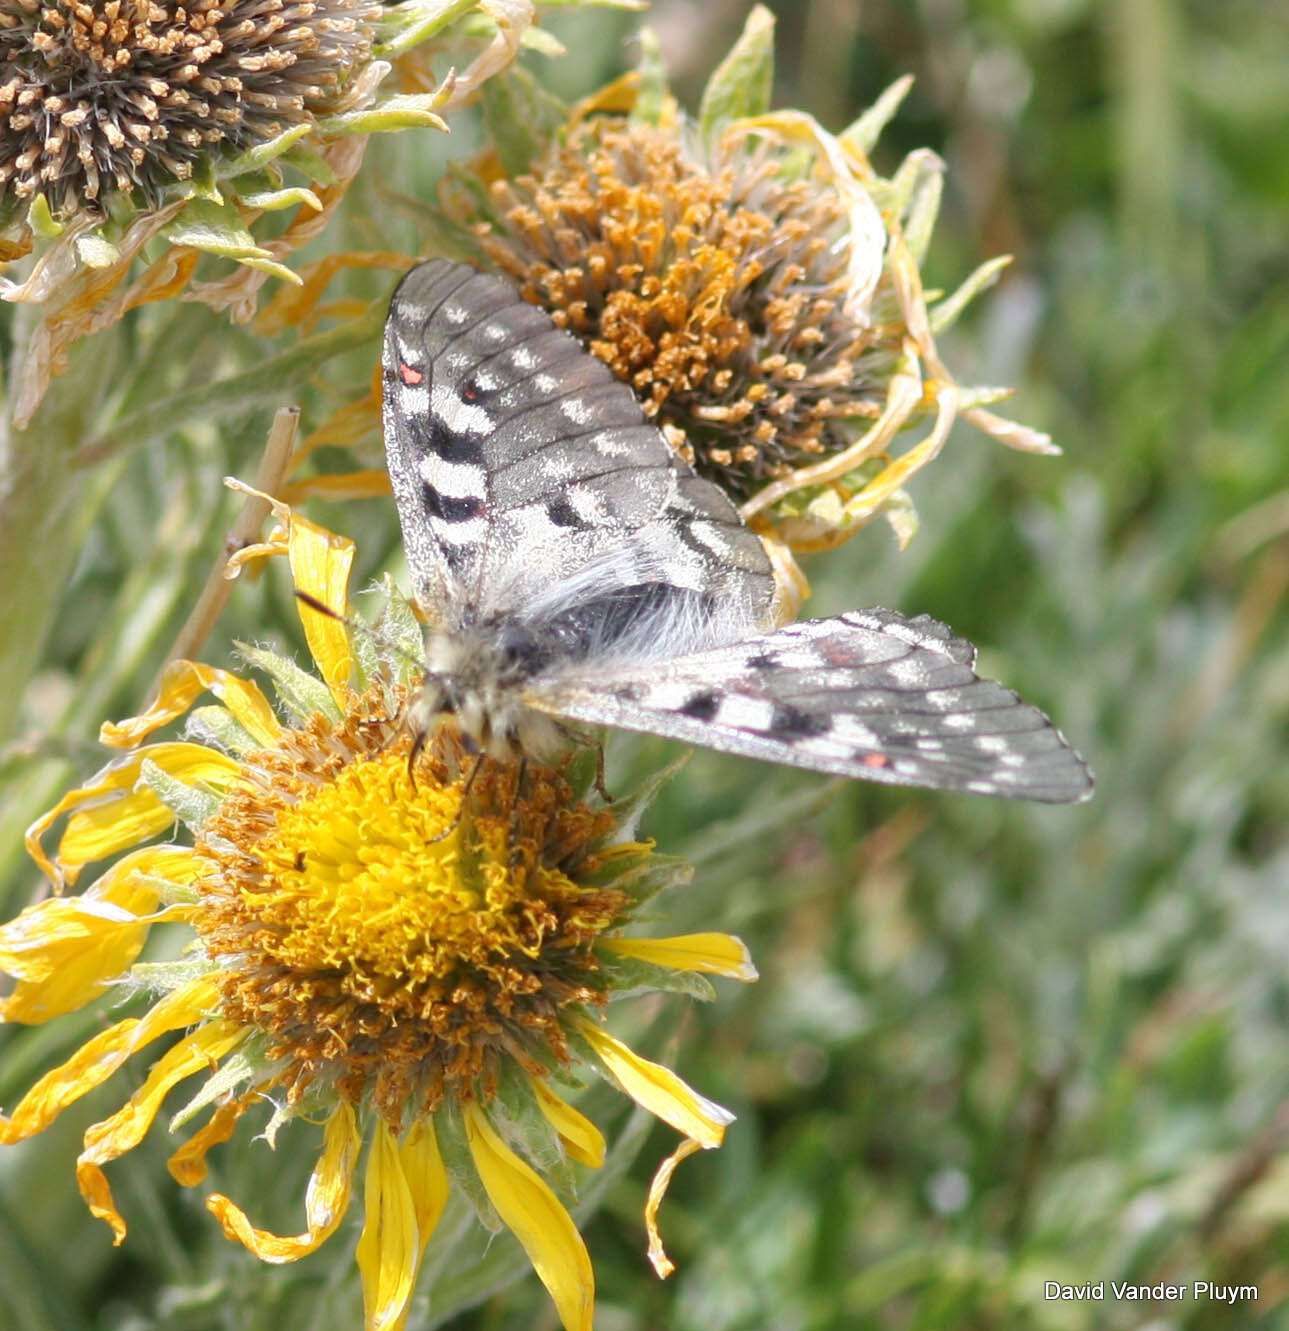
pixel 992 1046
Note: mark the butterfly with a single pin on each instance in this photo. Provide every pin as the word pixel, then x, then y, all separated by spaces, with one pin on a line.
pixel 573 571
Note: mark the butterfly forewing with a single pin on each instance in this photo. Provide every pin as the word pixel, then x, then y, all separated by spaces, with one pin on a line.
pixel 521 466
pixel 571 565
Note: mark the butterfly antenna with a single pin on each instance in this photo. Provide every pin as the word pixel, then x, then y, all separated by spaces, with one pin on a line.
pixel 358 626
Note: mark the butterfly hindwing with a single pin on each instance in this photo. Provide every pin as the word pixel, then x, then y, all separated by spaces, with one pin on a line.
pixel 868 694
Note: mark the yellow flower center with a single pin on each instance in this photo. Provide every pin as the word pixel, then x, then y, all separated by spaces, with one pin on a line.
pixel 390 942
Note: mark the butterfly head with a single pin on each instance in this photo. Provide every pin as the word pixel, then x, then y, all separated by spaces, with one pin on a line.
pixel 474 681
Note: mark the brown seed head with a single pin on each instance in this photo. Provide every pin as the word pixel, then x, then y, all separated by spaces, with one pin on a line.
pixel 103 97
pixel 717 295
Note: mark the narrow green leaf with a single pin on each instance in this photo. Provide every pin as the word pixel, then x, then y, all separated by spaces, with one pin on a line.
pixel 190 804
pixel 651 96
pixel 740 85
pixel 629 976
pixel 865 131
pixel 303 693
pixel 408 110
pixel 255 159
pixel 217 727
pixel 947 311
pixel 449 1129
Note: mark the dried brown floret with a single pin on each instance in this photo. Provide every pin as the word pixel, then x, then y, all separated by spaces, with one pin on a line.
pixel 718 295
pixel 97 98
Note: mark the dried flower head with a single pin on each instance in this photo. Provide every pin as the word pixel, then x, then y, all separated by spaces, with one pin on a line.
pixel 97 98
pixel 415 958
pixel 718 295
pixel 751 276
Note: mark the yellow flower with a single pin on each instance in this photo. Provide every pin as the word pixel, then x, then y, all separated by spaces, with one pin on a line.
pixel 418 957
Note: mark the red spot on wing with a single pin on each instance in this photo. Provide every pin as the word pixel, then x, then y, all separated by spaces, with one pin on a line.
pixel 408 375
pixel 875 760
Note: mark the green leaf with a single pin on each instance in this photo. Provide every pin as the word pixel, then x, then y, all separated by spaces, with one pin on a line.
pixel 399 627
pixel 947 311
pixel 190 804
pixel 312 164
pixel 234 1070
pixel 96 252
pixel 521 118
pixel 303 693
pixel 449 1129
pixel 740 85
pixel 218 229
pixel 255 159
pixel 518 1116
pixel 271 201
pixel 865 131
pixel 651 96
pixel 405 26
pixel 405 110
pixel 41 220
pixel 629 976
pixel 218 728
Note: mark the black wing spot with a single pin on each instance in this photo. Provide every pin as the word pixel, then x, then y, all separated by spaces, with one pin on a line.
pixel 701 706
pixel 450 445
pixel 563 514
pixel 760 661
pixel 448 507
pixel 787 722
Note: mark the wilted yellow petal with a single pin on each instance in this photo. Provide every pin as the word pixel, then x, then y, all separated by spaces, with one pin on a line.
pixel 127 1127
pixel 426 1177
pixel 95 1061
pixel 181 683
pixel 713 954
pixel 64 951
pixel 534 1214
pixel 658 1258
pixel 110 814
pixel 188 1164
pixel 388 1249
pixel 658 1089
pixel 581 1138
pixel 325 1202
pixel 320 562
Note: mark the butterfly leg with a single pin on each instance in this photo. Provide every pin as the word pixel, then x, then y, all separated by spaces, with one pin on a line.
pixel 465 795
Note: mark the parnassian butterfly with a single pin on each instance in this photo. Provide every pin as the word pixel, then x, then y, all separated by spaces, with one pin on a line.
pixel 572 569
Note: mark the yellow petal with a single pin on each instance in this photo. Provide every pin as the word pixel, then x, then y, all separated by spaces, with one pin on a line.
pixel 388 1249
pixel 94 1062
pixel 658 1089
pixel 109 814
pixel 714 954
pixel 181 683
pixel 658 1259
pixel 127 1127
pixel 188 1164
pixel 320 563
pixel 426 1177
pixel 538 1221
pixel 581 1138
pixel 325 1202
pixel 64 951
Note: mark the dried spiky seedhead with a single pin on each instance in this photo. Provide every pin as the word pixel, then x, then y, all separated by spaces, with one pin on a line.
pixel 98 98
pixel 718 295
